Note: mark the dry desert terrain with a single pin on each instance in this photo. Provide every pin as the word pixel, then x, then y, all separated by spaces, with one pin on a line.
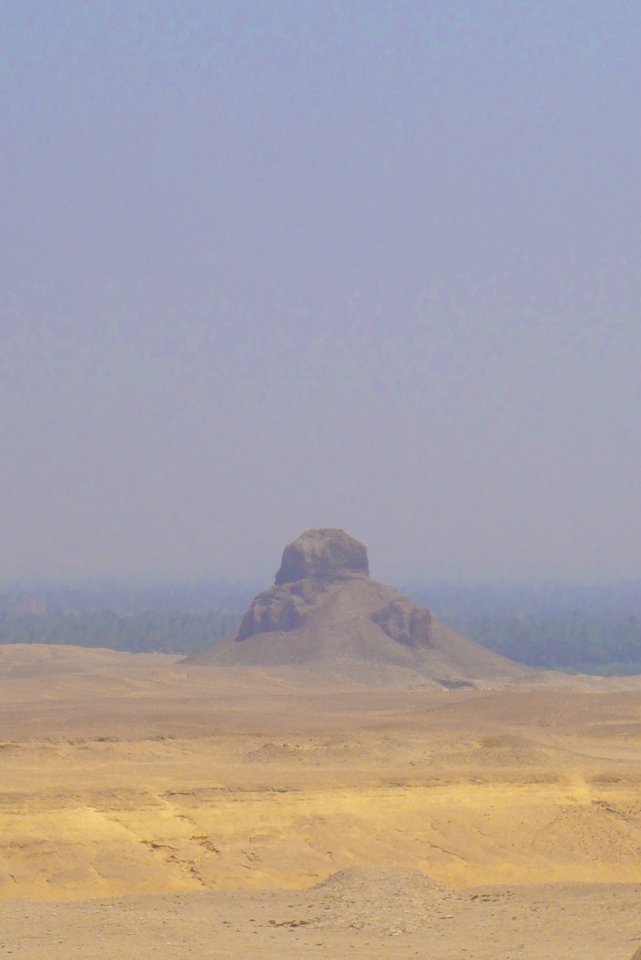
pixel 152 809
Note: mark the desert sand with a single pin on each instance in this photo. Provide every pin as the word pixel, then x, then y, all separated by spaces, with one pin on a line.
pixel 152 808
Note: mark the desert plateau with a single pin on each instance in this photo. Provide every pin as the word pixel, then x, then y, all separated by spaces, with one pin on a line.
pixel 320 480
pixel 465 809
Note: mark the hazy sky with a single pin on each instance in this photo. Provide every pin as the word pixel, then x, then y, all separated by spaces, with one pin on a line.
pixel 275 264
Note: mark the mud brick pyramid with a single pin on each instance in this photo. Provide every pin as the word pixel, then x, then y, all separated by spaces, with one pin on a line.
pixel 325 612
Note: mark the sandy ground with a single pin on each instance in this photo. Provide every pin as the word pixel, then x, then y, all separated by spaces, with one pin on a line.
pixel 150 809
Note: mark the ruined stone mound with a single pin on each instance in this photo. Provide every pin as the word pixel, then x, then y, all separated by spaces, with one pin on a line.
pixel 325 611
pixel 382 900
pixel 374 883
pixel 310 571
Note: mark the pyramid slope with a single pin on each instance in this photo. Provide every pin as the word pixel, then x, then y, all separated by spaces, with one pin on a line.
pixel 339 637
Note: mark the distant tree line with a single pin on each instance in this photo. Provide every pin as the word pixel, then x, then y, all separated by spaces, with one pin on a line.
pixel 580 629
pixel 575 643
pixel 553 626
pixel 132 615
pixel 160 631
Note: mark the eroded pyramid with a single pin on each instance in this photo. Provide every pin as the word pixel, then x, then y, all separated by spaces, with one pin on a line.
pixel 325 612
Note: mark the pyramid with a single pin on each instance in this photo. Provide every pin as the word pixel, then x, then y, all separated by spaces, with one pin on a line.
pixel 325 613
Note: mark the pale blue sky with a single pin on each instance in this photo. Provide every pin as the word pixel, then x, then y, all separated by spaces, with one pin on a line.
pixel 268 266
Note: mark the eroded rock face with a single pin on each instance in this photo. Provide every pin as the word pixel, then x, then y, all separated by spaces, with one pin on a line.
pixel 310 565
pixel 322 562
pixel 405 622
pixel 324 554
pixel 283 607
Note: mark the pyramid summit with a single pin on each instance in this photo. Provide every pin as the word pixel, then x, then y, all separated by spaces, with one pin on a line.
pixel 323 554
pixel 325 613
